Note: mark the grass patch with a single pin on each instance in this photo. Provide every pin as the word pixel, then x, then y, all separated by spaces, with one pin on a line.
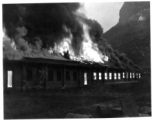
pixel 57 103
pixel 48 104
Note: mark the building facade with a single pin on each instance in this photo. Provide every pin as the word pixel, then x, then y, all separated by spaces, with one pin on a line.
pixel 38 73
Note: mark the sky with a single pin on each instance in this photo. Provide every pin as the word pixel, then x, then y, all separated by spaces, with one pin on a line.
pixel 106 13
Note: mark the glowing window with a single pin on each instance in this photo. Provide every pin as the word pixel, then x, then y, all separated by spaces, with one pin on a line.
pixel 106 77
pixel 85 79
pixel 130 75
pixel 139 75
pixel 136 75
pixel 110 76
pixel 95 76
pixel 123 75
pixel 115 76
pixel 133 75
pixel 100 75
pixel 9 79
pixel 119 77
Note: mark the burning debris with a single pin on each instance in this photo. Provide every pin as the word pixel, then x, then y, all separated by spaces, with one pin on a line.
pixel 56 31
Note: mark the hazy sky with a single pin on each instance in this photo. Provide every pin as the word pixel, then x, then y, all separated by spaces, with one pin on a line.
pixel 106 13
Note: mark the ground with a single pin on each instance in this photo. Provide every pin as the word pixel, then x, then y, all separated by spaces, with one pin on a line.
pixel 57 103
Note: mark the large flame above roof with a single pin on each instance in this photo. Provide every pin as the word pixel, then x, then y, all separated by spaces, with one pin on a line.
pixel 18 47
pixel 89 50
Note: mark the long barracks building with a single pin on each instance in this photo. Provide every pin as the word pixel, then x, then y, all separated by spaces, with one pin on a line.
pixel 40 73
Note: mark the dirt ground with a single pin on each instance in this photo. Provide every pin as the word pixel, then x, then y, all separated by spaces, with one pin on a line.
pixel 57 103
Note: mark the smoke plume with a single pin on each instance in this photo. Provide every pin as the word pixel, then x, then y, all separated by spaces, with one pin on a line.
pixel 35 28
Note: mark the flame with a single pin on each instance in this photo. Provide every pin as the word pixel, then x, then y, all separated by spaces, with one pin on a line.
pixel 89 50
pixel 7 40
pixel 63 46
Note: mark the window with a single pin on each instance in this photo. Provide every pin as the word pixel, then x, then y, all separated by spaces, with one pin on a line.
pixel 9 79
pixel 119 76
pixel 58 75
pixel 130 75
pixel 85 79
pixel 95 76
pixel 106 76
pixel 136 75
pixel 100 76
pixel 75 76
pixel 123 75
pixel 115 76
pixel 133 75
pixel 127 75
pixel 139 75
pixel 50 75
pixel 110 76
pixel 68 75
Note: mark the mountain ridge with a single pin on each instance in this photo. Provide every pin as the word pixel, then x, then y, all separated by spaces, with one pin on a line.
pixel 131 35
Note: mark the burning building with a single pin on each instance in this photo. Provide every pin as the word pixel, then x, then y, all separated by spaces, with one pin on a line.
pixel 53 45
pixel 43 73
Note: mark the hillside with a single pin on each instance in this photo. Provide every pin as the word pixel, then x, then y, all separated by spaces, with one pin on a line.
pixel 131 35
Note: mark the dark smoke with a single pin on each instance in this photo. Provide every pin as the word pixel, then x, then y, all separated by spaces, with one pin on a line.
pixel 44 20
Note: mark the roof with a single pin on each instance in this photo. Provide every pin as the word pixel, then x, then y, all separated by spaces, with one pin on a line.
pixel 55 62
